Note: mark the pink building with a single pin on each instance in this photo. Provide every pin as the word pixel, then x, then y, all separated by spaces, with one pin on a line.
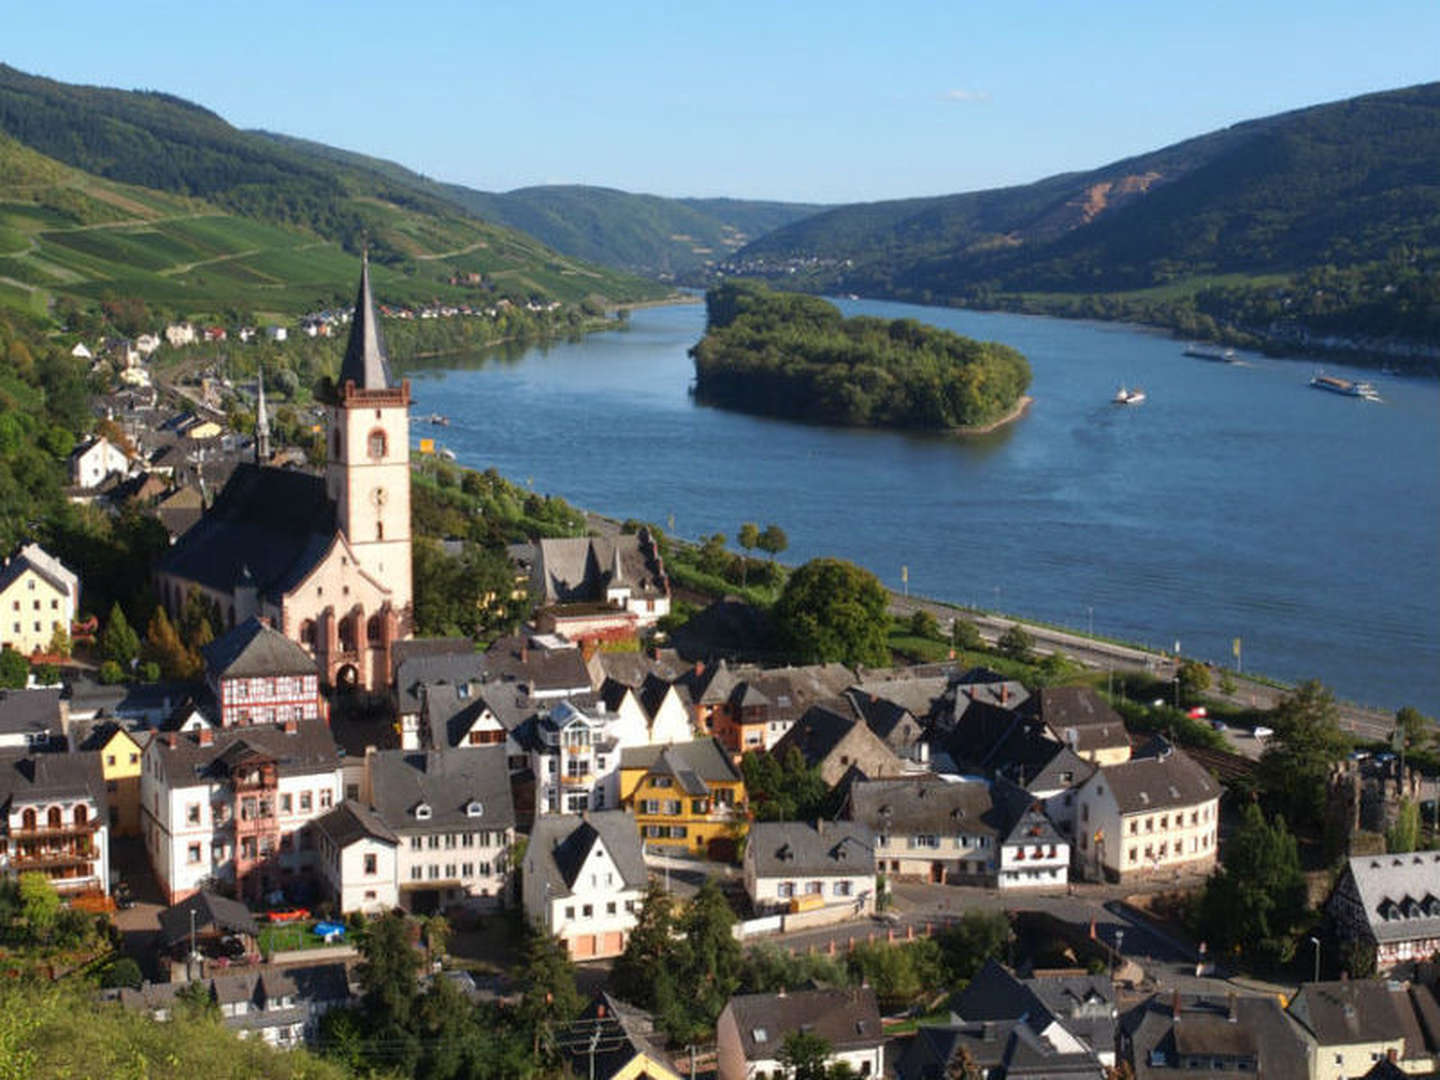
pixel 259 676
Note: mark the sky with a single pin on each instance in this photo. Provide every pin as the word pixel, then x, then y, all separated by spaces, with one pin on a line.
pixel 786 99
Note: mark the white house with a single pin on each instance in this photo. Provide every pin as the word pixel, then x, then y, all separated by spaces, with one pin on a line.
pixel 38 594
pixel 276 333
pixel 146 344
pixel 179 334
pixel 1156 813
pixel 357 857
pixel 792 865
pixel 585 880
pixel 930 829
pixel 94 460
pixel 82 352
pixel 752 1029
pixel 1393 902
pixel 54 819
pixel 233 806
pixel 576 754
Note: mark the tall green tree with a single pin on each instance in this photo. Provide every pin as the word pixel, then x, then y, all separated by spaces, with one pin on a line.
pixel 773 541
pixel 1256 900
pixel 749 539
pixel 832 610
pixel 14 669
pixel 1194 680
pixel 978 936
pixel 39 905
pixel 1295 767
pixel 118 641
pixel 964 634
pixel 641 972
pixel 1404 835
pixel 710 958
pixel 1415 728
pixel 1017 643
pixel 550 997
pixel 389 972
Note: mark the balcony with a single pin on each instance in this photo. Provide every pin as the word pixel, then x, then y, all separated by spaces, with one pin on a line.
pixel 41 832
pixel 583 781
pixel 45 860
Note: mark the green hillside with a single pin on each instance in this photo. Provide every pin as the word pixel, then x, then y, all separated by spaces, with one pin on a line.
pixel 109 192
pixel 1345 183
pixel 680 239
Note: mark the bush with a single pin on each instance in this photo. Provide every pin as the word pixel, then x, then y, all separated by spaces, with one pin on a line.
pixel 122 971
pixel 964 634
pixel 925 625
pixel 111 673
pixel 1017 643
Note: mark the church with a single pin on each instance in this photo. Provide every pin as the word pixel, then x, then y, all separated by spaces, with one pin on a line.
pixel 324 559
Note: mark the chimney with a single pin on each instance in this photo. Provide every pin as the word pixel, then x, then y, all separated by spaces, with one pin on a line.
pixel 600 1012
pixel 206 736
pixel 1232 1008
pixel 291 727
pixel 1175 1006
pixel 699 668
pixel 1004 693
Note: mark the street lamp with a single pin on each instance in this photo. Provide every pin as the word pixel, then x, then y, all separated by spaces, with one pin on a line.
pixel 1316 942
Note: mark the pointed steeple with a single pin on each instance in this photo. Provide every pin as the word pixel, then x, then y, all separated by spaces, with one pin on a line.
pixel 262 422
pixel 617 572
pixel 366 363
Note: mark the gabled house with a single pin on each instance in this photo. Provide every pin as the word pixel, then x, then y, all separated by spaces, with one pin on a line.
pixel 357 854
pixel 53 819
pixel 1352 1025
pixel 625 574
pixel 584 880
pixel 615 1041
pixel 119 752
pixel 32 720
pixel 1156 813
pixel 833 740
pixel 1187 1037
pixel 799 866
pixel 687 798
pixel 1392 902
pixel 1073 1013
pixel 1003 1049
pixel 38 594
pixel 752 1029
pixel 1081 719
pixel 94 460
pixel 929 829
pixel 259 676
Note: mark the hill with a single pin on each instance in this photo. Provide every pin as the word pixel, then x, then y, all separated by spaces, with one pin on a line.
pixel 134 192
pixel 671 239
pixel 1346 183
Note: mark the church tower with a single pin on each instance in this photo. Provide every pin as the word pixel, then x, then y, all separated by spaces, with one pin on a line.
pixel 368 474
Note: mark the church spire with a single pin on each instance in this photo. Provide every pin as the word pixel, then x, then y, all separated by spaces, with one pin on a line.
pixel 366 363
pixel 262 422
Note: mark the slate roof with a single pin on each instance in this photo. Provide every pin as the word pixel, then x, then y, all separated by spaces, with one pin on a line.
pixel 704 759
pixel 1065 769
pixel 1020 816
pixel 1084 1005
pixel 418 648
pixel 1341 1013
pixel 181 510
pixel 445 781
pixel 624 1031
pixel 311 749
pixel 413 673
pixel 311 984
pixel 366 362
pixel 1259 1022
pixel 1164 778
pixel 560 843
pixel 352 821
pixel 25 778
pixel 1400 894
pixel 34 557
pixel 846 1019
pixel 800 849
pixel 978 686
pixel 1061 707
pixel 255 650
pixel 30 712
pixel 999 1048
pixel 925 805
pixel 917 696
pixel 275 523
pixel 213 914
pixel 543 670
pixel 577 569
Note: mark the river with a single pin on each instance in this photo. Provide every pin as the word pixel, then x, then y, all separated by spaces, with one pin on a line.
pixel 1235 502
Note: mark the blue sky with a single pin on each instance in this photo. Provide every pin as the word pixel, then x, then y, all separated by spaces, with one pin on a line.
pixel 800 101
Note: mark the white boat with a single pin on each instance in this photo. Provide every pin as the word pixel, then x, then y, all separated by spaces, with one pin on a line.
pixel 1128 396
pixel 1345 387
pixel 448 455
pixel 1212 352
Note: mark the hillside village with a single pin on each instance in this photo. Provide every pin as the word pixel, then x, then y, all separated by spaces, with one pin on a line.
pixel 325 768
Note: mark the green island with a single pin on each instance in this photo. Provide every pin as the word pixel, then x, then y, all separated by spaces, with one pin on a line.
pixel 796 356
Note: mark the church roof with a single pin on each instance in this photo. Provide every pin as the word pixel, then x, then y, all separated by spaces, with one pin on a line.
pixel 366 362
pixel 275 522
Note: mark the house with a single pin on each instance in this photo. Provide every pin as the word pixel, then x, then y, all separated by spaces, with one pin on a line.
pixel 38 593
pixel 1033 854
pixel 544 673
pixel 1174 1037
pixel 281 1006
pixel 752 1029
pixel 82 352
pixel 259 676
pixel 577 747
pixel 1392 902
pixel 895 710
pixel 831 739
pixel 53 820
pixel 234 806
pixel 276 333
pixel 453 818
pixel 928 828
pixel 357 853
pixel 1055 784
pixel 203 919
pixel 120 754
pixel 687 798
pixel 612 1040
pixel 146 344
pixel 1156 813
pixel 1009 1049
pixel 799 866
pixel 1351 1026
pixel 622 573
pixel 977 686
pixel 179 334
pixel 1075 1014
pixel 1081 719
pixel 752 709
pixel 180 510
pixel 585 880
pixel 325 558
pixel 32 719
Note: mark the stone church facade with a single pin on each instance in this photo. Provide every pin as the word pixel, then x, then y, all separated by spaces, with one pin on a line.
pixel 326 560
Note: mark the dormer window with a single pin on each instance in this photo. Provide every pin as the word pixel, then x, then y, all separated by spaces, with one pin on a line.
pixel 462 691
pixel 422 812
pixel 473 808
pixel 760 1035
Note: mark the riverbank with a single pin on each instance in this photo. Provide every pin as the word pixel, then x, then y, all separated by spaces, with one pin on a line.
pixel 1021 408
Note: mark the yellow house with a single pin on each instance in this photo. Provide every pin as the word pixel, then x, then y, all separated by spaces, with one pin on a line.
pixel 687 798
pixel 614 1041
pixel 37 594
pixel 120 755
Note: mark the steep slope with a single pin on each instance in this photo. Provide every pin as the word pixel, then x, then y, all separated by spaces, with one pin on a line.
pixel 1345 182
pixel 238 219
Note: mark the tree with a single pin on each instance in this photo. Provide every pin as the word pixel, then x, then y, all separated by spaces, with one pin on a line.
pixel 1256 900
pixel 964 634
pixel 550 996
pixel 1414 726
pixel 1227 683
pixel 164 647
pixel 924 625
pixel 199 619
pixel 437 934
pixel 121 972
pixel 803 1056
pixel 832 610
pixel 1358 959
pixel 784 790
pixel 978 936
pixel 1295 767
pixel 111 673
pixel 709 958
pixel 749 539
pixel 47 674
pixel 773 541
pixel 194 1001
pixel 14 669
pixel 641 967
pixel 1194 680
pixel 39 905
pixel 1404 835
pixel 59 642
pixel 118 642
pixel 1017 643
pixel 389 971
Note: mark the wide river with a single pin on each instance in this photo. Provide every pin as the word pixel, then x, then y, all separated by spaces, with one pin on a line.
pixel 1235 502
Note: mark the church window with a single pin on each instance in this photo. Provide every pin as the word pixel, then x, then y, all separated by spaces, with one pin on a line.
pixel 379 530
pixel 307 632
pixel 377 443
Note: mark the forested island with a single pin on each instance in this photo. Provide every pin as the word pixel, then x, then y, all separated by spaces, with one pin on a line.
pixel 796 356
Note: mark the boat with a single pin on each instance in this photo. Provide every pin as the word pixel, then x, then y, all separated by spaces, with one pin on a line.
pixel 1346 387
pixel 1212 352
pixel 1128 396
pixel 438 420
pixel 448 455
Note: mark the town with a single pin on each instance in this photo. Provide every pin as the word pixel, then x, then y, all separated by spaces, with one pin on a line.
pixel 608 827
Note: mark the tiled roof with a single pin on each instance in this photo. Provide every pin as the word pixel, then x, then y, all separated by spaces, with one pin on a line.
pixel 800 849
pixel 560 843
pixel 1400 894
pixel 447 782
pixel 255 650
pixel 845 1019
pixel 1163 779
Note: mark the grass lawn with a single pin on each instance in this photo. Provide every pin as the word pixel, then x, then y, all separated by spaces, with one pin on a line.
pixel 287 937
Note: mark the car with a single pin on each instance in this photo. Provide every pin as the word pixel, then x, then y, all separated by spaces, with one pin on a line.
pixel 287 915
pixel 1218 725
pixel 1263 732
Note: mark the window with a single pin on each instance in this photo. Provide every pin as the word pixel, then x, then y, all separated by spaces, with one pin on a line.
pixel 450 870
pixel 450 840
pixel 434 872
pixel 588 911
pixel 376 444
pixel 192 813
pixel 610 908
pixel 192 853
pixel 327 798
pixel 110 760
pixel 370 864
pixel 433 842
pixel 287 804
pixel 415 873
pixel 467 869
pixel 416 843
pixel 134 758
pixel 569 913
pixel 785 890
pixel 841 888
pixel 305 802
